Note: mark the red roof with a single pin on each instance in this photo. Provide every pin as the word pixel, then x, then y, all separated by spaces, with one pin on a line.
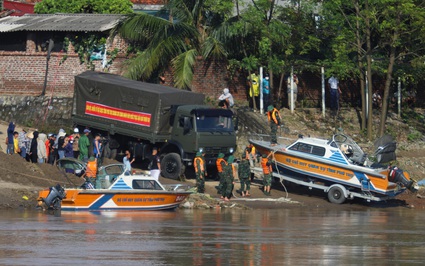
pixel 19 8
pixel 140 2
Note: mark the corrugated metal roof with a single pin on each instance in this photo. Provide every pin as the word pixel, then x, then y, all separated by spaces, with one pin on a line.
pixel 60 22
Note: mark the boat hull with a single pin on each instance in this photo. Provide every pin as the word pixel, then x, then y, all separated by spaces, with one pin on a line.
pixel 100 199
pixel 330 172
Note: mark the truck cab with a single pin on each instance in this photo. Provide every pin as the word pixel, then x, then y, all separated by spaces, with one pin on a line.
pixel 197 128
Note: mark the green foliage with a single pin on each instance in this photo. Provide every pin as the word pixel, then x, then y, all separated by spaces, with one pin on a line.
pixel 84 6
pixel 83 45
pixel 414 135
pixel 180 41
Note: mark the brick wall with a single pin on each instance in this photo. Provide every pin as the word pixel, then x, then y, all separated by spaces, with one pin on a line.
pixel 211 78
pixel 23 73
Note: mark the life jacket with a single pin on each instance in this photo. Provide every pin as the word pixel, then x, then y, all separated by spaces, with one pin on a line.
pixel 234 170
pixel 201 163
pixel 274 116
pixel 91 168
pixel 218 163
pixel 267 169
pixel 47 144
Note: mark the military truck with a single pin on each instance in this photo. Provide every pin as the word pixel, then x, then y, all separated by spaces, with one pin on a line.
pixel 176 121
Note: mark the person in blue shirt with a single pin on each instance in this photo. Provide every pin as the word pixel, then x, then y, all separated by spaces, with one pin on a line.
pixel 127 161
pixel 266 93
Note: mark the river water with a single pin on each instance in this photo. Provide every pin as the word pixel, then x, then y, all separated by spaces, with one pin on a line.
pixel 373 236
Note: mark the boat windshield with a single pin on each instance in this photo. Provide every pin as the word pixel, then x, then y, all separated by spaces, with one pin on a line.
pixel 214 123
pixel 146 184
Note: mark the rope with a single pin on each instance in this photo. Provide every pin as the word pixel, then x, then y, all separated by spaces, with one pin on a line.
pixel 277 169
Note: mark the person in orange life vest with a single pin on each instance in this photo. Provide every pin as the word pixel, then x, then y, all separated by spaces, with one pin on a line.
pixel 220 163
pixel 252 155
pixel 267 172
pixel 199 165
pixel 274 118
pixel 91 170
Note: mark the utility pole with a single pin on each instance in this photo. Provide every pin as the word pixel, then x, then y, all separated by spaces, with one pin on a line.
pixel 50 46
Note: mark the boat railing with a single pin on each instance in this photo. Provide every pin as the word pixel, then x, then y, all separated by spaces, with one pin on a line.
pixel 177 187
pixel 266 137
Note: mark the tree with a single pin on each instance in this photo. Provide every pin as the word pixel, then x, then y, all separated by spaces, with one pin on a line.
pixel 179 41
pixel 270 35
pixel 84 6
pixel 85 43
pixel 401 32
pixel 386 32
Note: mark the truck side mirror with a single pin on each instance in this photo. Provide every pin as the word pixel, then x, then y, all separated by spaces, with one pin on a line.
pixel 186 125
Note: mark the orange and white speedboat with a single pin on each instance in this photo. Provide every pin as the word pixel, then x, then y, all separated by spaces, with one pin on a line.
pixel 118 191
pixel 339 167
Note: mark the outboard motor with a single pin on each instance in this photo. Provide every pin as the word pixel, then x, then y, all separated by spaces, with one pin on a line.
pixel 55 197
pixel 396 175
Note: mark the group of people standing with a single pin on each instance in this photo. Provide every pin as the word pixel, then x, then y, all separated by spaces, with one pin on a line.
pixel 39 147
pixel 226 170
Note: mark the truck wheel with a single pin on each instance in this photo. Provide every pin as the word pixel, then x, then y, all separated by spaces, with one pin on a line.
pixel 171 166
pixel 336 195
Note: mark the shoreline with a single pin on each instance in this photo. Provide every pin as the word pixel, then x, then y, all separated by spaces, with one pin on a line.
pixel 20 182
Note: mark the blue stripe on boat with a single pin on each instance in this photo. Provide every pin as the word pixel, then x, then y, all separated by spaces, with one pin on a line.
pixel 101 201
pixel 121 185
pixel 337 157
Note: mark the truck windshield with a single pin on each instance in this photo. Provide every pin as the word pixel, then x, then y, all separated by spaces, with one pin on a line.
pixel 214 123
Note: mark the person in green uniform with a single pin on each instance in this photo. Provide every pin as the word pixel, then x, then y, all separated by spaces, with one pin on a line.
pixel 220 163
pixel 228 179
pixel 199 164
pixel 83 145
pixel 244 173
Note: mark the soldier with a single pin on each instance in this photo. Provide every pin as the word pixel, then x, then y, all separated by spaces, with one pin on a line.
pixel 274 118
pixel 267 172
pixel 199 164
pixel 228 179
pixel 244 173
pixel 220 166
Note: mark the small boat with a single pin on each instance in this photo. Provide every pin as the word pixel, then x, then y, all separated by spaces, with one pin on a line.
pixel 116 189
pixel 339 167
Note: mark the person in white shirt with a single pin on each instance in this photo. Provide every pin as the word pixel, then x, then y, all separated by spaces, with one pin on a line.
pixel 334 93
pixel 127 161
pixel 226 99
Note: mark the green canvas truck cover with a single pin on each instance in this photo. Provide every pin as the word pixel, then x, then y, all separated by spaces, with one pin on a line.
pixel 122 105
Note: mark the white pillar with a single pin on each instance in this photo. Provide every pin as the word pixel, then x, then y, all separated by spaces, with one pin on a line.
pixel 399 97
pixel 261 90
pixel 292 90
pixel 367 96
pixel 323 92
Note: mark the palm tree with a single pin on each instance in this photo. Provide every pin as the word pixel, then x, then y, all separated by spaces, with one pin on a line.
pixel 178 41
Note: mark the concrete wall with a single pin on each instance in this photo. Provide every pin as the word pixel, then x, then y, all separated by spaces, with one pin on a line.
pixel 36 111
